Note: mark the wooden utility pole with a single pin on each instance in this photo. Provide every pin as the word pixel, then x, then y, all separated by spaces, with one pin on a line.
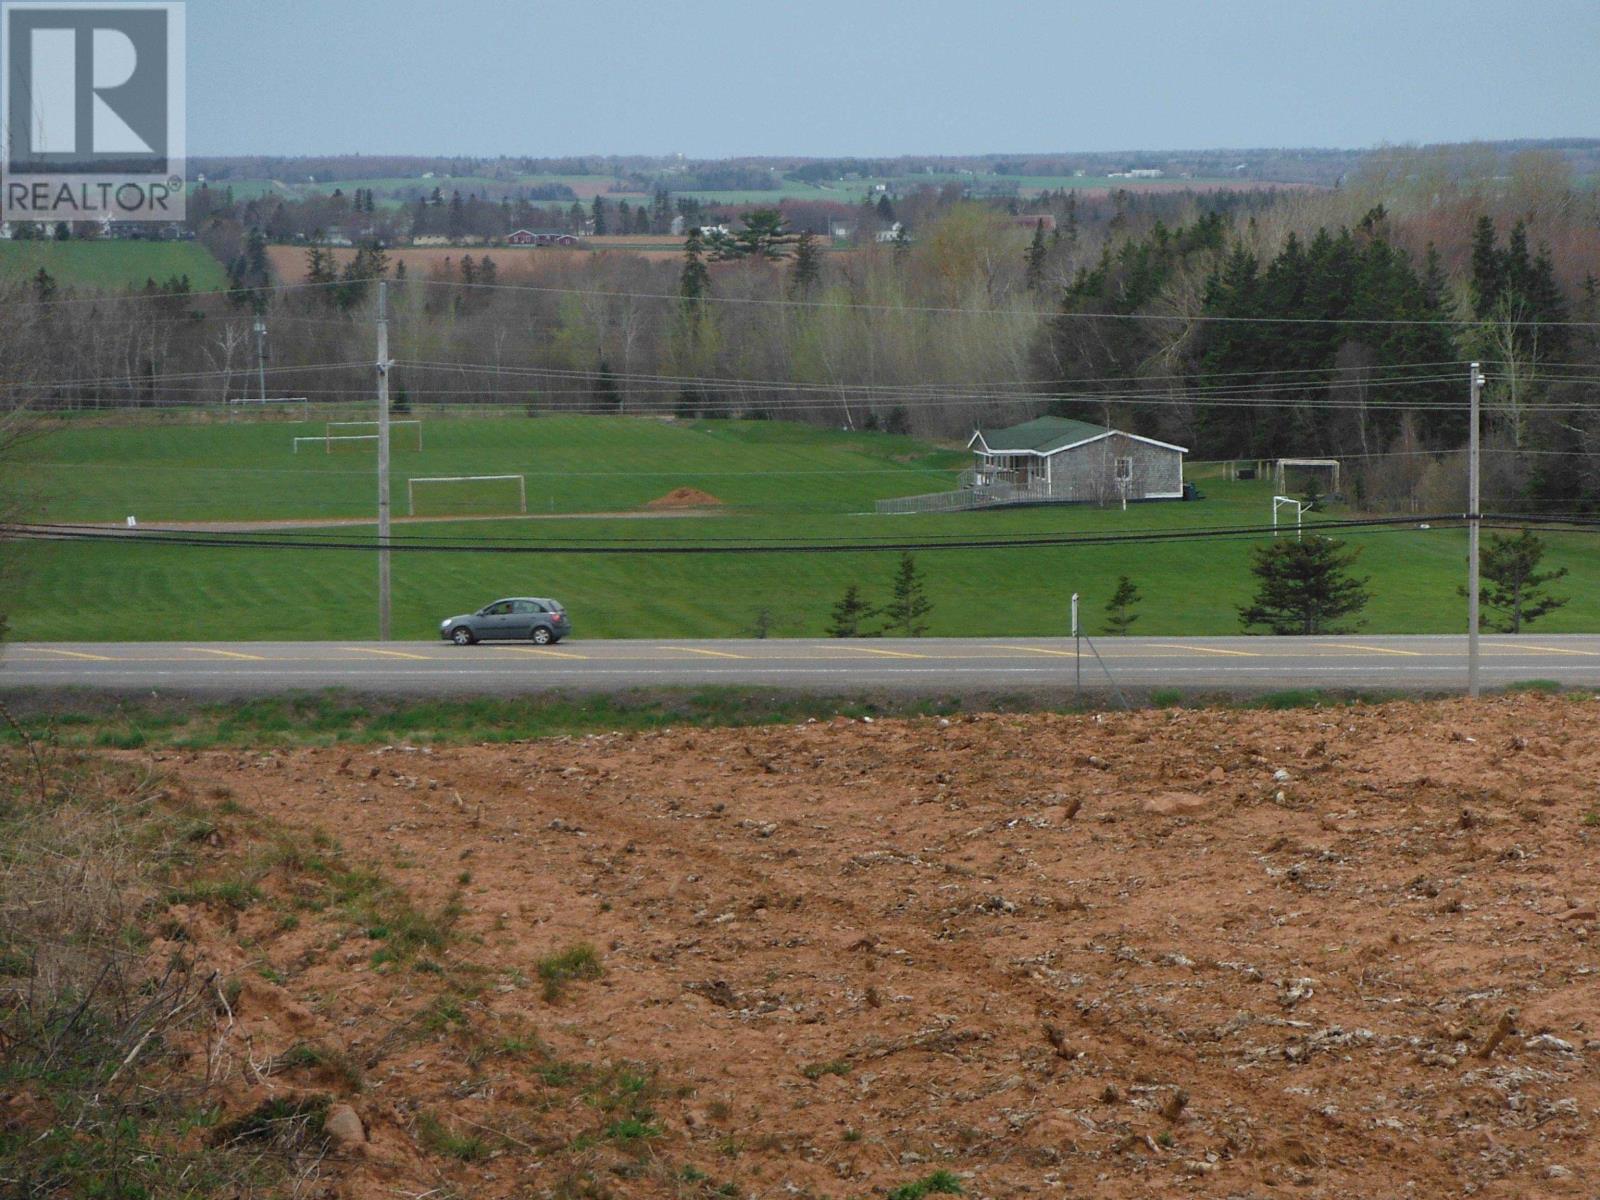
pixel 1474 521
pixel 383 461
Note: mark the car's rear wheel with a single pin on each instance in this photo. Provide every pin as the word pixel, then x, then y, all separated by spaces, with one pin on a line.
pixel 542 636
pixel 462 636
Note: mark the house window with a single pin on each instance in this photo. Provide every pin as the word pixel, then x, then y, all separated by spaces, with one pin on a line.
pixel 1124 468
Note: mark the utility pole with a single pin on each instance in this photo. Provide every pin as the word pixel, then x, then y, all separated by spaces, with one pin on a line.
pixel 261 359
pixel 1474 521
pixel 383 461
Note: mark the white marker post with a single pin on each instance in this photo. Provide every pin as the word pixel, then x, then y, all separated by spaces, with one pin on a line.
pixel 1077 645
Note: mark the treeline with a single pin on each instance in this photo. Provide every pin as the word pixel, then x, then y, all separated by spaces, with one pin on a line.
pixel 1303 324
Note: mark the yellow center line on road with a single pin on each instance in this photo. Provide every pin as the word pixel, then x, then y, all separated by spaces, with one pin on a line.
pixel 547 653
pixel 707 653
pixel 225 653
pixel 69 654
pixel 1541 649
pixel 1204 650
pixel 386 653
pixel 1369 649
pixel 884 653
pixel 1038 650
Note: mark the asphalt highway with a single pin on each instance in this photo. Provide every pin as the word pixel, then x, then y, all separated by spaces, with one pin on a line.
pixel 1242 664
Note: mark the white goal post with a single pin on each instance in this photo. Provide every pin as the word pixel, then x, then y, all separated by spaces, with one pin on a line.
pixel 1314 464
pixel 328 441
pixel 521 481
pixel 336 428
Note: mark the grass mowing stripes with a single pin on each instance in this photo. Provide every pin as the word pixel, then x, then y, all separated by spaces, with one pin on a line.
pixel 777 481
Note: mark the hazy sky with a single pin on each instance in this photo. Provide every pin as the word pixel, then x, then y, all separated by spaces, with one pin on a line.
pixel 712 78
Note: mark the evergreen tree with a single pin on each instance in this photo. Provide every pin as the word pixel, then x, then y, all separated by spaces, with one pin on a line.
pixel 488 272
pixel 847 616
pixel 1515 585
pixel 256 256
pixel 807 265
pixel 1036 257
pixel 598 215
pixel 908 603
pixel 44 286
pixel 1313 498
pixel 319 266
pixel 695 282
pixel 607 395
pixel 764 236
pixel 1304 587
pixel 1119 609
pixel 885 210
pixel 456 223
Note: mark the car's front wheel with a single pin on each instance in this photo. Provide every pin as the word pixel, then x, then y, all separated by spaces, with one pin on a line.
pixel 542 636
pixel 462 636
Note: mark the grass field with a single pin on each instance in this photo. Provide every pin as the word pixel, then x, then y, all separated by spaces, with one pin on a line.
pixel 777 481
pixel 113 265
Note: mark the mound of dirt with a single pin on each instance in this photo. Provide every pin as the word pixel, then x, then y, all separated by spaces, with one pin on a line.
pixel 685 497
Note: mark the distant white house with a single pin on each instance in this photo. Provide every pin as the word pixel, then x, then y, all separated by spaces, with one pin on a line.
pixel 891 234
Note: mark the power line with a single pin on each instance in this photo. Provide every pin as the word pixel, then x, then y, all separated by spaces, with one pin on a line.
pixel 401 543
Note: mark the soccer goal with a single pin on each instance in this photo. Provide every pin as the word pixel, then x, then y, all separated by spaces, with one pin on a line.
pixel 1301 469
pixel 403 435
pixel 469 494
pixel 365 439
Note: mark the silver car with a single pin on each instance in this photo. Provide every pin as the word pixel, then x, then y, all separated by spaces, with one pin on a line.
pixel 523 618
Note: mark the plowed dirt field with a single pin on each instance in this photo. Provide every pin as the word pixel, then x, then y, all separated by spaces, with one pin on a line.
pixel 1326 952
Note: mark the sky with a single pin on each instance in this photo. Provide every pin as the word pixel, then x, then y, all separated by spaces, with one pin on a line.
pixel 712 78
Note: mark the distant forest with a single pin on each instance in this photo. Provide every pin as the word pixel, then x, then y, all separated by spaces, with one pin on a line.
pixel 1254 322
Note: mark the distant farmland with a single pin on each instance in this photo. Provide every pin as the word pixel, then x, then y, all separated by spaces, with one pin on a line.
pixel 113 266
pixel 404 192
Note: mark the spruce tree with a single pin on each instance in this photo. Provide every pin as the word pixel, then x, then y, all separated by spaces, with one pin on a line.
pixel 807 265
pixel 695 282
pixel 847 616
pixel 1304 586
pixel 1119 609
pixel 908 603
pixel 1488 278
pixel 1515 585
pixel 1036 257
pixel 599 216
pixel 607 395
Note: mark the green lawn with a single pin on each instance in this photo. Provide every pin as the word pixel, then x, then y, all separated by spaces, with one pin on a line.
pixel 248 470
pixel 779 481
pixel 113 265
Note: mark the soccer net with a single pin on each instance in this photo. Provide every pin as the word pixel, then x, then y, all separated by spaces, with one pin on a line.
pixel 451 494
pixel 1294 473
pixel 403 435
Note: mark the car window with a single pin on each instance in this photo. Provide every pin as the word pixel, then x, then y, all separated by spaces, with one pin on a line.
pixel 500 610
pixel 528 606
